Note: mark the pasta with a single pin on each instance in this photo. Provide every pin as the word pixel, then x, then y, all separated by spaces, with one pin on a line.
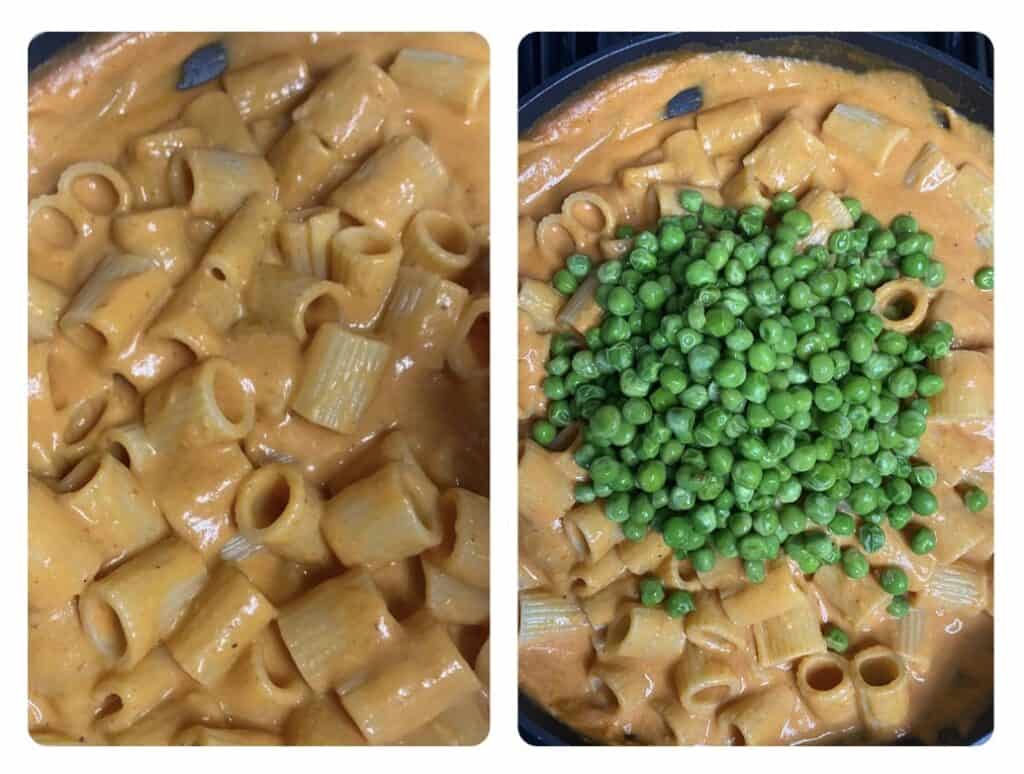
pixel 717 607
pixel 253 517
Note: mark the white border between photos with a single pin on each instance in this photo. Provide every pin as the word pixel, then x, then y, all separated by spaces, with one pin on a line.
pixel 503 25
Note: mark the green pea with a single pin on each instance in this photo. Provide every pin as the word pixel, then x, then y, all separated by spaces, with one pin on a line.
pixel 691 200
pixel 783 202
pixel 923 541
pixel 724 542
pixel 616 507
pixel 828 397
pixel 871 537
pixel 975 499
pixel 740 524
pixel 652 475
pixel 761 357
pixel 609 272
pixel 893 580
pixel 902 225
pixel 652 592
pixel 606 421
pixel 704 519
pixel 914 265
pixel 544 432
pixel 899 516
pixel 634 531
pixel 929 385
pixel 899 607
pixel 934 275
pixel 578 265
pixel 855 565
pixel 584 493
pixel 984 278
pixel 564 282
pixel 679 604
pixel 755 570
pixel 671 238
pixel 843 524
pixel 641 509
pixel 836 639
pixel 621 302
pixel 923 501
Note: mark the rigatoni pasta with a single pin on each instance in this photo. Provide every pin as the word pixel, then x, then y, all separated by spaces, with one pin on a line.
pixel 226 369
pixel 756 396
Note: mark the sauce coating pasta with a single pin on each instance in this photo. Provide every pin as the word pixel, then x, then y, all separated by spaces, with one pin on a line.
pixel 597 649
pixel 254 517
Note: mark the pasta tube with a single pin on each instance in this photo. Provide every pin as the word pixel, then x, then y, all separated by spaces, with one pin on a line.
pixel 399 697
pixel 339 379
pixel 295 303
pixel 304 238
pixel 62 557
pixel 730 129
pixel 215 183
pixel 451 600
pixel 233 253
pixel 264 685
pixel 389 515
pixel 119 515
pixel 268 87
pixel 216 116
pixel 437 242
pixel 127 612
pixel 322 722
pixel 348 107
pixel 46 304
pixel 708 627
pixel 207 404
pixel 164 235
pixel 125 697
pixel 789 636
pixel 544 616
pixel 118 300
pixel 401 178
pixel 756 603
pixel 704 682
pixel 465 551
pixel 593 533
pixel 760 718
pixel 337 628
pixel 469 354
pixel 276 507
pixel 452 79
pixel 864 132
pixel 226 616
pixel 883 691
pixel 422 314
pixel 824 683
pixel 645 633
pixel 365 260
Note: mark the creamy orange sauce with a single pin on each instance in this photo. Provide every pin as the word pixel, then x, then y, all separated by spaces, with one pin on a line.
pixel 617 123
pixel 92 104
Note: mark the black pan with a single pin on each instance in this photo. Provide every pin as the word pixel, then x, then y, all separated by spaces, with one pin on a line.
pixel 946 79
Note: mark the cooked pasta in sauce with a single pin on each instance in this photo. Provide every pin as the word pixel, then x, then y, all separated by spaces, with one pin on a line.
pixel 749 665
pixel 254 517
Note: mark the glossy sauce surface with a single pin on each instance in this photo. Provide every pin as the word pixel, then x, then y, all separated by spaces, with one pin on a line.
pixel 618 123
pixel 91 106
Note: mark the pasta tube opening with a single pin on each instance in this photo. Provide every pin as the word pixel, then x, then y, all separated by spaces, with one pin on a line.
pixel 436 241
pixel 902 304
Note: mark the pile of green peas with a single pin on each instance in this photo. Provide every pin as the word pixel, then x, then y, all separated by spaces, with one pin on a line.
pixel 740 395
